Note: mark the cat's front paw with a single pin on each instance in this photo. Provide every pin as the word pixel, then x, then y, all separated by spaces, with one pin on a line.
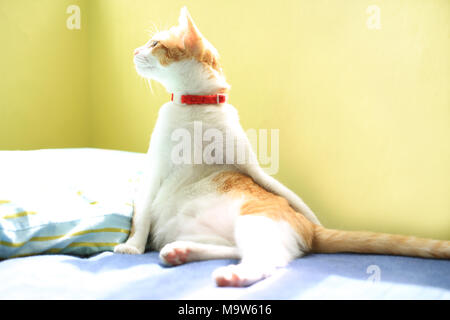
pixel 125 248
pixel 175 253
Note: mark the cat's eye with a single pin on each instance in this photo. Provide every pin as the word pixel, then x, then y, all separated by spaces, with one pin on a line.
pixel 154 44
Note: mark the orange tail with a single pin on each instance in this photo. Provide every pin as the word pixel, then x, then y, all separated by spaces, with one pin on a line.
pixel 331 241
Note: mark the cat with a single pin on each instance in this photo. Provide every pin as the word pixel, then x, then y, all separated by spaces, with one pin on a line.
pixel 197 211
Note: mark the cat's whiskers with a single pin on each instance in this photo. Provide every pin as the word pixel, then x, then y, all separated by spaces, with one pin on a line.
pixel 149 82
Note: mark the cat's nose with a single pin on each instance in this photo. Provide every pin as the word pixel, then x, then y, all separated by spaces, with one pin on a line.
pixel 136 51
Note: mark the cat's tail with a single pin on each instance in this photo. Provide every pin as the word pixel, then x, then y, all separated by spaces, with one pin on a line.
pixel 332 241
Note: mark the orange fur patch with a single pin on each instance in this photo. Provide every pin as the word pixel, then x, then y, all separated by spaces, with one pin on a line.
pixel 166 53
pixel 259 201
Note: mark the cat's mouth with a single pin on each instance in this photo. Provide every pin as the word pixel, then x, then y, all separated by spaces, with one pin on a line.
pixel 142 62
pixel 145 67
pixel 145 70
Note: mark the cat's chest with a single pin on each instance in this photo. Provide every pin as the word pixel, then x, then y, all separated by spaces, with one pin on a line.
pixel 187 203
pixel 184 137
pixel 177 150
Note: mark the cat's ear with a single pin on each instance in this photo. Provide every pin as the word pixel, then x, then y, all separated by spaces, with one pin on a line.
pixel 192 38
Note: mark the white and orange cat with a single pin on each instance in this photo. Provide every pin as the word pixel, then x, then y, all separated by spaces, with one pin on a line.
pixel 197 211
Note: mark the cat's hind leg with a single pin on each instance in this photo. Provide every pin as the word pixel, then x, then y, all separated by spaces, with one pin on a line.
pixel 265 244
pixel 179 252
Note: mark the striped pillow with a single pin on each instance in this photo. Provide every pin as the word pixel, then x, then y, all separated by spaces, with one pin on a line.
pixel 49 211
pixel 24 232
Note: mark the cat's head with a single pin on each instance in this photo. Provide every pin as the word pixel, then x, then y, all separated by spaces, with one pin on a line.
pixel 182 60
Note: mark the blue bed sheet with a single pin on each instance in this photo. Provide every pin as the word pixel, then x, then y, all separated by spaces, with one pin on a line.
pixel 317 276
pixel 106 177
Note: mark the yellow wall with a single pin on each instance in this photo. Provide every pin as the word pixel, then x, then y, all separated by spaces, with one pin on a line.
pixel 43 88
pixel 364 115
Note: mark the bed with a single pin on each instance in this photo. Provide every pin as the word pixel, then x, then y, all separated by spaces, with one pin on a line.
pixel 63 210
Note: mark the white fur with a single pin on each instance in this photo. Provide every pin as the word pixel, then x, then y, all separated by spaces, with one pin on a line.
pixel 178 204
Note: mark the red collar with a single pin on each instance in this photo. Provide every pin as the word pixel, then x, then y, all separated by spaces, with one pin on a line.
pixel 200 99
